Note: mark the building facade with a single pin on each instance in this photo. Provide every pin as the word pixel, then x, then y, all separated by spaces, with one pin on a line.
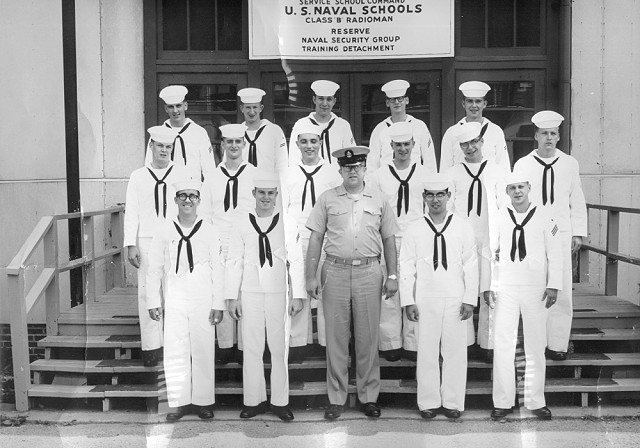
pixel 574 57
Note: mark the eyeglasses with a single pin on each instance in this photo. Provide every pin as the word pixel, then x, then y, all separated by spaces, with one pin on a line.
pixel 356 168
pixel 397 99
pixel 473 142
pixel 431 196
pixel 192 197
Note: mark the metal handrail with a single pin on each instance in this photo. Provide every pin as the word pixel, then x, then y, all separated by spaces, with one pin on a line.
pixel 611 252
pixel 46 284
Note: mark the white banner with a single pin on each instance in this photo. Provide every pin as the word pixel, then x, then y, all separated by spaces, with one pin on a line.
pixel 350 29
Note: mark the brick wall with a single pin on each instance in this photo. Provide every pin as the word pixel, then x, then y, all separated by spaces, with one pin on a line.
pixel 35 333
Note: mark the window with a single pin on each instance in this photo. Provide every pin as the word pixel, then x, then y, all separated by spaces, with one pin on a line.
pixel 510 105
pixel 500 23
pixel 201 25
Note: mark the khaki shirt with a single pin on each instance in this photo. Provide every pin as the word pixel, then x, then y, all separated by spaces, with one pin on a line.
pixel 353 227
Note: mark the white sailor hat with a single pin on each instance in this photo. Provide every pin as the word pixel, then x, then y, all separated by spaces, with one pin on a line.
pixel 251 95
pixel 351 155
pixel 395 88
pixel 516 177
pixel 468 131
pixel 547 119
pixel 307 127
pixel 474 89
pixel 437 182
pixel 162 134
pixel 322 87
pixel 401 132
pixel 173 94
pixel 265 179
pixel 187 184
pixel 233 130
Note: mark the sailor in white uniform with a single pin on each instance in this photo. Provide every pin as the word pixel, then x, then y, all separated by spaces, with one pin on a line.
pixel 438 288
pixel 301 186
pixel 336 131
pixel 266 146
pixel 526 278
pixel 380 142
pixel 192 147
pixel 494 147
pixel 555 184
pixel 477 193
pixel 256 291
pixel 149 199
pixel 227 194
pixel 401 182
pixel 185 259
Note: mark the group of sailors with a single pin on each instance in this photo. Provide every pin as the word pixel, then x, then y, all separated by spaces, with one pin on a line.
pixel 240 253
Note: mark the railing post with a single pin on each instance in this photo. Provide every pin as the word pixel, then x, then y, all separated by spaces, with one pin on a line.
pixel 52 293
pixel 19 339
pixel 117 239
pixel 613 237
pixel 88 252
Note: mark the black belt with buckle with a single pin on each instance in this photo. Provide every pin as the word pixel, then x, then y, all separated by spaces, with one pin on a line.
pixel 352 261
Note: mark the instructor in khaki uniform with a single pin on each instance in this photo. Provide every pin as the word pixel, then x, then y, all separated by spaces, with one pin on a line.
pixel 358 223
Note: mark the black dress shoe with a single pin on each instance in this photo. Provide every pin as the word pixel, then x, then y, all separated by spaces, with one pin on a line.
pixel 333 411
pixel 205 412
pixel 410 355
pixel 283 412
pixel 555 356
pixel 392 355
pixel 149 358
pixel 429 413
pixel 371 410
pixel 543 413
pixel 225 355
pixel 488 356
pixel 297 354
pixel 451 413
pixel 252 411
pixel 500 413
pixel 180 412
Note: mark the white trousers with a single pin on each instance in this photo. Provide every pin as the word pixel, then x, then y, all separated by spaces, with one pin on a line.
pixel 396 331
pixel 511 303
pixel 150 330
pixel 302 323
pixel 265 313
pixel 189 352
pixel 441 332
pixel 560 315
pixel 226 330
pixel 485 313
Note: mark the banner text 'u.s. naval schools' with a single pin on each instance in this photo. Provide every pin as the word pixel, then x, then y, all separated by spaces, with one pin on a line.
pixel 350 29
